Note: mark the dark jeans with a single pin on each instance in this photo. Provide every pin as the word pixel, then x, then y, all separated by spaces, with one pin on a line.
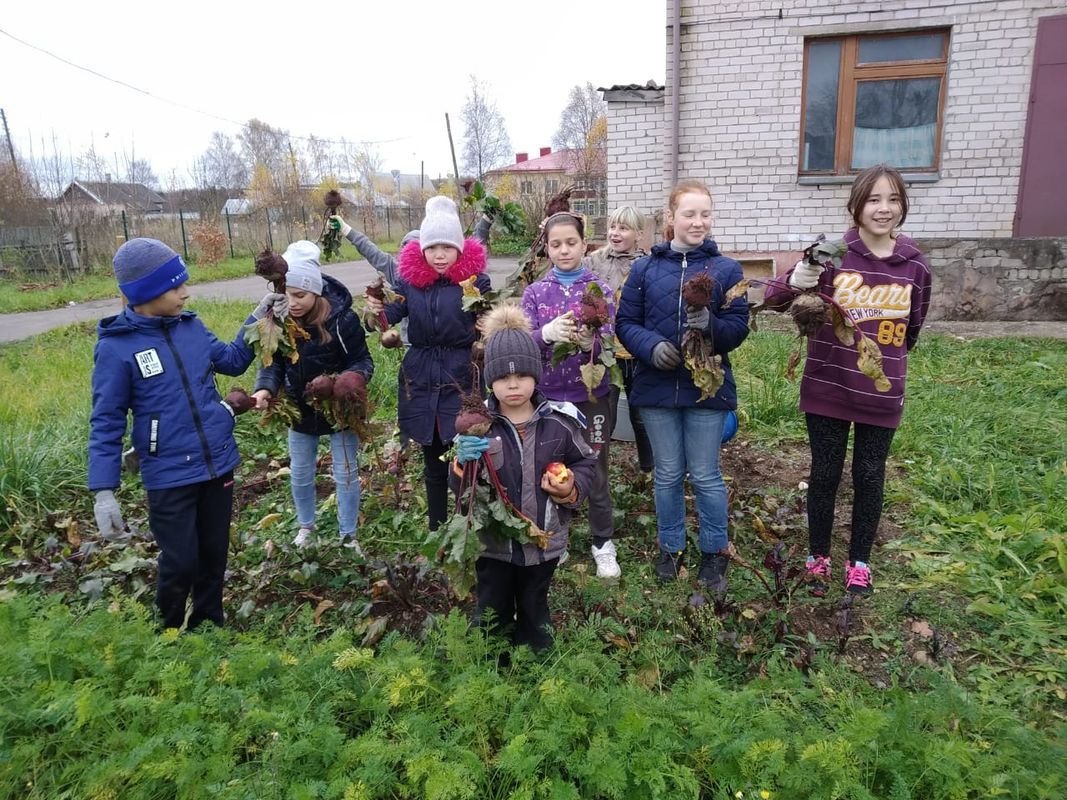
pixel 829 441
pixel 435 476
pixel 518 596
pixel 628 366
pixel 192 528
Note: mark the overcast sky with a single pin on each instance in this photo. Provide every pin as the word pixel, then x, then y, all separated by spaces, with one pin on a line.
pixel 384 72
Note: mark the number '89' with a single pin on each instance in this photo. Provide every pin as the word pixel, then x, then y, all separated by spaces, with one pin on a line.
pixel 890 332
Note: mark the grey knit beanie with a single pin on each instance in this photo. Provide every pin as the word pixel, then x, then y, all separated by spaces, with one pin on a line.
pixel 304 272
pixel 147 268
pixel 509 347
pixel 441 224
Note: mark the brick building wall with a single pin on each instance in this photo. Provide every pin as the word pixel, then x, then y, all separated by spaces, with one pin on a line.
pixel 741 92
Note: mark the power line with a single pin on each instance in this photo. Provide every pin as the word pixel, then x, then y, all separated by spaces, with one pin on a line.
pixel 177 103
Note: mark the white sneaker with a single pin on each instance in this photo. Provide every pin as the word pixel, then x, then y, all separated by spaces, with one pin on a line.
pixel 303 537
pixel 606 564
pixel 351 543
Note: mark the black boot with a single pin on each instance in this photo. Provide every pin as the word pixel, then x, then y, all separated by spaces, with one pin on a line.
pixel 712 574
pixel 668 564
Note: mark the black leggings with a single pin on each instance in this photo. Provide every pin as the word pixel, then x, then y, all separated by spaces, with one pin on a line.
pixel 829 440
pixel 435 476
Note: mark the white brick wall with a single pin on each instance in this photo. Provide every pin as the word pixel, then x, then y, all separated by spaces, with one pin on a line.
pixel 636 157
pixel 740 118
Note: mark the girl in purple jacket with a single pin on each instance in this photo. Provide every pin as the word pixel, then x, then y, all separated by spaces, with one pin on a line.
pixel 552 305
pixel 884 284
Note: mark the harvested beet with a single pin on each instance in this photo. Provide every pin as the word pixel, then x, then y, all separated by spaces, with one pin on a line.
pixel 350 386
pixel 333 200
pixel 272 267
pixel 594 310
pixel 473 418
pixel 391 339
pixel 698 291
pixel 810 312
pixel 320 388
pixel 239 401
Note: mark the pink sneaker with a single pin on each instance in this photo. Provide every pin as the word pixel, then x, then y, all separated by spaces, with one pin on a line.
pixel 818 575
pixel 858 578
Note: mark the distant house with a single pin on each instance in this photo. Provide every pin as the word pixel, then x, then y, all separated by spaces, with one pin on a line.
pixel 779 111
pixel 550 172
pixel 236 207
pixel 112 197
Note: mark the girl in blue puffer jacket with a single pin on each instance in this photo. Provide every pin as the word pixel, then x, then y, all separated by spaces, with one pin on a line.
pixel 435 371
pixel 686 433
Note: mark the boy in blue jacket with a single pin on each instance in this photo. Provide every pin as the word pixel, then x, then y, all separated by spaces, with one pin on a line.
pixel 159 361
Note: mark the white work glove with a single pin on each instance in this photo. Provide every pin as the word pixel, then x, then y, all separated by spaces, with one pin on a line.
pixel 584 338
pixel 340 225
pixel 805 275
pixel 108 516
pixel 274 302
pixel 561 329
pixel 666 356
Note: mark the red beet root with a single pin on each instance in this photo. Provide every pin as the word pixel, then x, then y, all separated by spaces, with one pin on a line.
pixel 350 386
pixel 320 388
pixel 239 400
pixel 473 418
pixel 594 311
pixel 391 339
pixel 698 291
pixel 272 266
pixel 333 200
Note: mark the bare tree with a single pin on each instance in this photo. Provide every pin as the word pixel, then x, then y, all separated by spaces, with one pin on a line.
pixel 321 159
pixel 578 127
pixel 485 136
pixel 263 144
pixel 220 167
pixel 140 171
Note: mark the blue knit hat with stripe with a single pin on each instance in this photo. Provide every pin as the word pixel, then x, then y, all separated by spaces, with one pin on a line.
pixel 147 268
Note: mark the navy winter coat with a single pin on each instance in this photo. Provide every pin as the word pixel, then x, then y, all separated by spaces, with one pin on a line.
pixel 345 352
pixel 436 368
pixel 651 311
pixel 163 368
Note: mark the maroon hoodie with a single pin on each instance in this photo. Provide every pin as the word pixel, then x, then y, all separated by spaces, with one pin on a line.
pixel 887 298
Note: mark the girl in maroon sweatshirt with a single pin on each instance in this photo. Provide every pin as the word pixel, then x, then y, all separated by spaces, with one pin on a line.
pixel 884 285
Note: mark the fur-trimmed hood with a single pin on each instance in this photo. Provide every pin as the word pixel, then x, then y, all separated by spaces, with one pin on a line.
pixel 416 270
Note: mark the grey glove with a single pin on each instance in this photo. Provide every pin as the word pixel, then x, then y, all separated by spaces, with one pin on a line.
pixel 805 275
pixel 108 516
pixel 276 303
pixel 665 356
pixel 697 318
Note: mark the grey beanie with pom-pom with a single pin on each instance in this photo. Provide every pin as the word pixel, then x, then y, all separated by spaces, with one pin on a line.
pixel 509 346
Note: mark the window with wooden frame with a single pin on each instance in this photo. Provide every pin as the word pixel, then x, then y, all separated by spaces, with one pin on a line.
pixel 873 99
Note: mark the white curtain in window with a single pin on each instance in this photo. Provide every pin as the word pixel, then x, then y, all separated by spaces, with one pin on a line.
pixel 898 147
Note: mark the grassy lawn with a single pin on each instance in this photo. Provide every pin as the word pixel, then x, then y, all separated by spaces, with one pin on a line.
pixel 340 677
pixel 100 283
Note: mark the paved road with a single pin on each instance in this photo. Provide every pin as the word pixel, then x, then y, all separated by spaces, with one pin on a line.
pixel 354 274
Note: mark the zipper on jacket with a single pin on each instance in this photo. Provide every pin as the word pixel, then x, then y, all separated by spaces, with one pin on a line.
pixel 192 404
pixel 681 285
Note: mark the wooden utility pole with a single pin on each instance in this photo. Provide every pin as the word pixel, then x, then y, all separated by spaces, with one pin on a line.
pixel 15 163
pixel 455 166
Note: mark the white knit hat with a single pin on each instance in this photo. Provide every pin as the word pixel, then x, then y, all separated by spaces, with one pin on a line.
pixel 304 273
pixel 441 224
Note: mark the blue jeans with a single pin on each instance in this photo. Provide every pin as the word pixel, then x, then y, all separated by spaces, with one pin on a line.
pixel 688 440
pixel 303 453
